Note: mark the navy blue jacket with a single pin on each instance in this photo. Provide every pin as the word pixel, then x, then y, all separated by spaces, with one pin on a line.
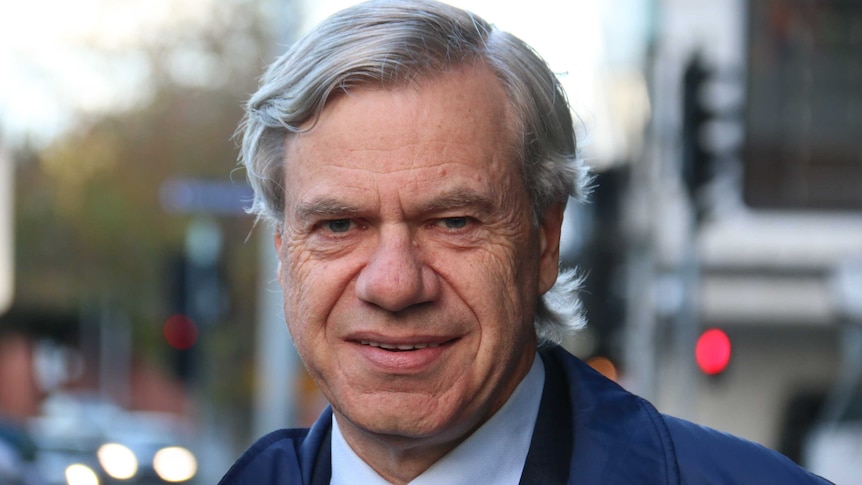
pixel 589 431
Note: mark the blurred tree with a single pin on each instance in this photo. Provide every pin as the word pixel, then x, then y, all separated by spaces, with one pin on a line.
pixel 89 223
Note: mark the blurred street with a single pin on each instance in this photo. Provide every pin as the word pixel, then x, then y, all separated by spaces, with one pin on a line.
pixel 141 333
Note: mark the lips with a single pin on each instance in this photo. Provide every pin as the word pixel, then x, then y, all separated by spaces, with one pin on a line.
pixel 399 347
pixel 401 355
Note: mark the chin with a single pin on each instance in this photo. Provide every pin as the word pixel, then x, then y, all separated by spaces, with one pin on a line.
pixel 408 417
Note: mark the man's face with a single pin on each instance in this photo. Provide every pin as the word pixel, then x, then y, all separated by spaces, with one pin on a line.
pixel 409 259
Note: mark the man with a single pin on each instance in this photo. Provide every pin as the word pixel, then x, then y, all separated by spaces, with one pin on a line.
pixel 415 164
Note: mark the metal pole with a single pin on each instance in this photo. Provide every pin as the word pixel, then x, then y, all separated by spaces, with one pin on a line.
pixel 685 329
pixel 7 238
pixel 847 288
pixel 115 350
pixel 276 360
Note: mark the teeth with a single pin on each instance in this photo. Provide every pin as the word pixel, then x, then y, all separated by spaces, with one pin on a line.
pixel 399 346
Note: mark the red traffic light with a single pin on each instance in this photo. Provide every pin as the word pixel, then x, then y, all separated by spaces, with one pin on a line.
pixel 180 332
pixel 712 352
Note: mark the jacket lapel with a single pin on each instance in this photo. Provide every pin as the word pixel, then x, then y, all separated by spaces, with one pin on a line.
pixel 315 454
pixel 550 449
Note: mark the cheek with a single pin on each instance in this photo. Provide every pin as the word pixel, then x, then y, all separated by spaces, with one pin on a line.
pixel 295 274
pixel 305 312
pixel 516 280
pixel 494 283
pixel 311 288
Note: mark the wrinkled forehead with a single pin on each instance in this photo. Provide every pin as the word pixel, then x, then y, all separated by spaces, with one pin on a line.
pixel 449 86
pixel 456 119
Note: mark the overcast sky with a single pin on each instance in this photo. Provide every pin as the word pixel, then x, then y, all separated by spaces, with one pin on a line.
pixel 45 72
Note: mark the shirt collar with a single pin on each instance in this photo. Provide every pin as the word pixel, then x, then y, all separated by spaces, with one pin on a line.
pixel 494 453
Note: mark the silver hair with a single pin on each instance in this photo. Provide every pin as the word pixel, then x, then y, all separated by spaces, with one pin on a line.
pixel 390 43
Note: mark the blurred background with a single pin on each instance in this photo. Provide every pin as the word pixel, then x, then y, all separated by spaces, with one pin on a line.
pixel 141 336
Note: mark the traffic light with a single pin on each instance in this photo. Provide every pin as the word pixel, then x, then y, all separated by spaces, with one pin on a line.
pixel 712 131
pixel 605 366
pixel 180 331
pixel 713 351
pixel 696 158
pixel 197 297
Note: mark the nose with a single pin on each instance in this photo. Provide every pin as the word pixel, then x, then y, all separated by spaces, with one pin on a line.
pixel 395 276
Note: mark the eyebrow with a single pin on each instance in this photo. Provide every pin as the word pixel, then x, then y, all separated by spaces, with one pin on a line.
pixel 458 198
pixel 325 208
pixel 454 199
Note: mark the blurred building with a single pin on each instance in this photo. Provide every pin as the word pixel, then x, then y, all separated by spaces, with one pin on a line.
pixel 739 214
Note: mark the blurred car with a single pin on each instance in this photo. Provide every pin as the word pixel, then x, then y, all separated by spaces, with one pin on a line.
pixel 17 456
pixel 86 440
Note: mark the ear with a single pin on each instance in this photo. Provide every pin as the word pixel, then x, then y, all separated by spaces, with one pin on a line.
pixel 549 246
pixel 277 237
pixel 278 240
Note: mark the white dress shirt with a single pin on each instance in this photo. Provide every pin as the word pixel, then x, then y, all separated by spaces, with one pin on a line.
pixel 494 453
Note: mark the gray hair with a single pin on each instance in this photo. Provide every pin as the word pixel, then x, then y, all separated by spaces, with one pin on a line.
pixel 395 42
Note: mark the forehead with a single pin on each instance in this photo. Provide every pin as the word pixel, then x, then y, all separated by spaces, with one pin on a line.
pixel 452 124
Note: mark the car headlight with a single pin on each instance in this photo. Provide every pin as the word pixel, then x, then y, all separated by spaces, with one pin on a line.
pixel 175 464
pixel 79 474
pixel 118 461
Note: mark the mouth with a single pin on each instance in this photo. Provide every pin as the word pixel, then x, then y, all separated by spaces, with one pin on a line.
pixel 402 355
pixel 399 347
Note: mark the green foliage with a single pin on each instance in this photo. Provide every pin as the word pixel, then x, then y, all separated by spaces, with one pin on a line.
pixel 90 226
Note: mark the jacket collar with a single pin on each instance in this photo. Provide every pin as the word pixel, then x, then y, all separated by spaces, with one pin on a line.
pixel 617 437
pixel 589 430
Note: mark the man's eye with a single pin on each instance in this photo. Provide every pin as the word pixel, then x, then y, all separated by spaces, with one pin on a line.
pixel 455 222
pixel 338 225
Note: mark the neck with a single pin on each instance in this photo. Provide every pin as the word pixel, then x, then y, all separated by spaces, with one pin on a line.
pixel 397 459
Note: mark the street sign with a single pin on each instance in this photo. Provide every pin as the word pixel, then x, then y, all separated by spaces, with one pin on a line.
pixel 198 196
